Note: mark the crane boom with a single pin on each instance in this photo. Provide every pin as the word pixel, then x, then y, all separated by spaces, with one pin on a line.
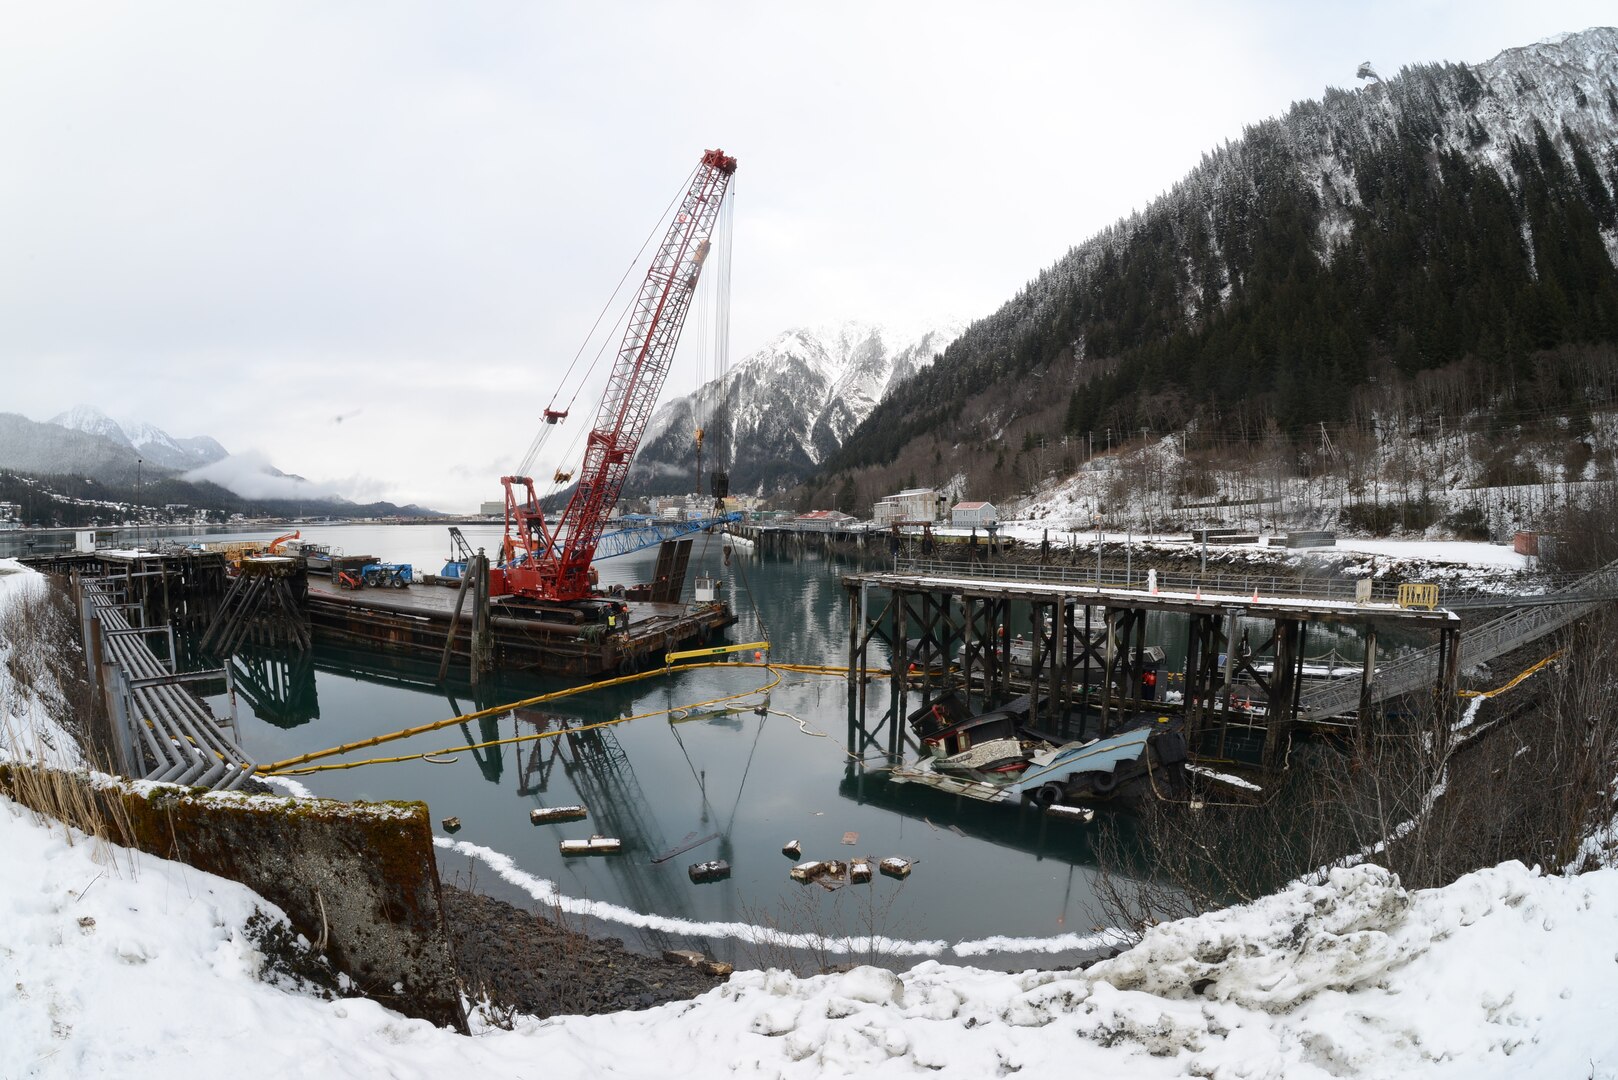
pixel 552 562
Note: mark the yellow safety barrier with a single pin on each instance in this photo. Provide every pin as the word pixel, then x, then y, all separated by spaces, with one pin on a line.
pixel 1416 595
pixel 716 650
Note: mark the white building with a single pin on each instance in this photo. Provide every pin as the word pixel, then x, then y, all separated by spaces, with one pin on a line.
pixel 973 514
pixel 911 505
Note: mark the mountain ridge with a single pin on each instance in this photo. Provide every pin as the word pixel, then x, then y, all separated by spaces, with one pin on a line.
pixel 1452 213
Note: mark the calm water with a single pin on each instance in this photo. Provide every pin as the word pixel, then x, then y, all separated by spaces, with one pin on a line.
pixel 757 782
pixel 754 781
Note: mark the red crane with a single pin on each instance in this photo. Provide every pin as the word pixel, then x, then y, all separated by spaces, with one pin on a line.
pixel 551 562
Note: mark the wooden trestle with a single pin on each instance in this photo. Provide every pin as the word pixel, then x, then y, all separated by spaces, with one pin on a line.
pixel 1087 654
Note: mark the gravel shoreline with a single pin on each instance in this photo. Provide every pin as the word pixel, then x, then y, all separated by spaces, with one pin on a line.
pixel 527 962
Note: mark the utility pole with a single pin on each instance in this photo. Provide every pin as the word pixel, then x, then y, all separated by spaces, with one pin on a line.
pixel 138 500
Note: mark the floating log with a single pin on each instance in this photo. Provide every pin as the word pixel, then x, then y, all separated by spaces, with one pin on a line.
pixel 1082 814
pixel 859 871
pixel 452 824
pixel 896 867
pixel 596 845
pixel 792 849
pixel 547 815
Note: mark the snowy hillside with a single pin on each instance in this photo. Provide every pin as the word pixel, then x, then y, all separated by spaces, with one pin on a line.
pixel 779 413
pixel 1368 244
pixel 152 443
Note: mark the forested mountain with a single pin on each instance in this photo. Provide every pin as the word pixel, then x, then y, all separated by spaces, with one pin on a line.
pixel 1452 227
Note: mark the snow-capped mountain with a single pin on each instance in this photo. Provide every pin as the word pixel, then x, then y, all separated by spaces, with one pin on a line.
pixel 92 421
pixel 154 445
pixel 777 414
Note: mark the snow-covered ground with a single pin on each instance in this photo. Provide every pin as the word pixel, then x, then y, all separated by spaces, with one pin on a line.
pixel 132 966
pixel 119 964
pixel 27 729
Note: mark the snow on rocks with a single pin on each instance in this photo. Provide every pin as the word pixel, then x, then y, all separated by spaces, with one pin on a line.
pixel 1504 973
pixel 1280 950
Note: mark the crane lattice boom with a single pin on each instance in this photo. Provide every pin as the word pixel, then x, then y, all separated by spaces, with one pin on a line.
pixel 552 562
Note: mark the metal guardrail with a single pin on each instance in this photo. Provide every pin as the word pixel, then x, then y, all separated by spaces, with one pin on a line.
pixel 1550 612
pixel 1339 590
pixel 164 732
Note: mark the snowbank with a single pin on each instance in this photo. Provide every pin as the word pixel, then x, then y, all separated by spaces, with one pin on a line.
pixel 1505 973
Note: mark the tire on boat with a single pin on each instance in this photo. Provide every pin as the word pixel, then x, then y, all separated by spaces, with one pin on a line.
pixel 1049 793
pixel 1102 783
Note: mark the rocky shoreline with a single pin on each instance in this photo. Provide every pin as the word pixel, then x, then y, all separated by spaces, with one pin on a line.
pixel 528 963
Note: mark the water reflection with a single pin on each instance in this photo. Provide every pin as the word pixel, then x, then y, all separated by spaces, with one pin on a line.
pixel 278 686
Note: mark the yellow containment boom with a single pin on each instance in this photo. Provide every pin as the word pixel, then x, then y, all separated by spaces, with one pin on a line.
pixel 717 650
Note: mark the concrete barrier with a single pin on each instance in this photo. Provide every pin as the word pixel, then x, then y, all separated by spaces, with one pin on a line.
pixel 360 876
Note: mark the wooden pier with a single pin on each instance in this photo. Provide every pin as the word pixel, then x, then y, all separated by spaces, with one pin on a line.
pixel 1085 635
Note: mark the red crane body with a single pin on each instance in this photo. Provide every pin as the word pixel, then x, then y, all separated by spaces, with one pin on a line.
pixel 552 562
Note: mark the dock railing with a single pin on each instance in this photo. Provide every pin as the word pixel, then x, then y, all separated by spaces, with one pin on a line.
pixel 1544 614
pixel 1339 589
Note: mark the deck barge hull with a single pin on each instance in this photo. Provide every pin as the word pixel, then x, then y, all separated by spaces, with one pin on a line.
pixel 416 621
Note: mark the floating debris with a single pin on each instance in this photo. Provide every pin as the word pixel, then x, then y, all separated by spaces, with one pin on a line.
pixel 692 958
pixel 896 867
pixel 851 838
pixel 546 815
pixel 827 873
pixel 792 849
pixel 1082 814
pixel 713 870
pixel 596 845
pixel 819 870
pixel 859 871
pixel 452 824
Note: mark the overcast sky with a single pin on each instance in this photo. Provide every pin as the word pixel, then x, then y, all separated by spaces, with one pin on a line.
pixel 248 220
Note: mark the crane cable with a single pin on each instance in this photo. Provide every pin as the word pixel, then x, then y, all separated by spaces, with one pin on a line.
pixel 541 437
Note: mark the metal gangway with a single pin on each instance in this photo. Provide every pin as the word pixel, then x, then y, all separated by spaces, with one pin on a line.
pixel 1532 616
pixel 162 730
